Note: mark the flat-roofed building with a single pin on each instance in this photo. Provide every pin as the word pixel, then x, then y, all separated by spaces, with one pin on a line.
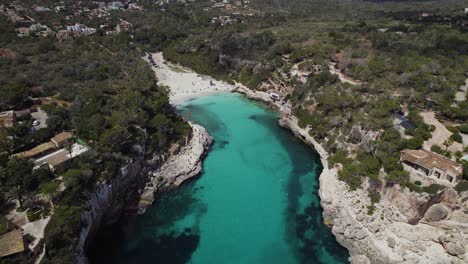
pixel 427 164
pixel 58 161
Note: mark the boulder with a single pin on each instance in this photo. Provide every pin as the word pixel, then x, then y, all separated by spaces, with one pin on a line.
pixel 454 249
pixel 453 243
pixel 359 259
pixel 436 212
pixel 449 197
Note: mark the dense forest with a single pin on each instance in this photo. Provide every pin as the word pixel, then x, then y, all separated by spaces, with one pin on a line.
pixel 105 94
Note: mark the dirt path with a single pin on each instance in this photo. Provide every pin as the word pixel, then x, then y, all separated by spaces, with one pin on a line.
pixel 460 96
pixel 440 134
pixel 343 77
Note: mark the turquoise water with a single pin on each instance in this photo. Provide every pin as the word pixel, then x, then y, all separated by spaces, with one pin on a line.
pixel 255 202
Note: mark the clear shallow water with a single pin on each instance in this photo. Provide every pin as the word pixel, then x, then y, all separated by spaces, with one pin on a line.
pixel 255 202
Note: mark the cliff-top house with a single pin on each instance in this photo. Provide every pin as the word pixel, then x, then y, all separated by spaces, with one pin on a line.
pixel 431 167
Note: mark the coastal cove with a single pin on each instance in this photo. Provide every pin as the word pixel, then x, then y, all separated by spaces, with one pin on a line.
pixel 256 200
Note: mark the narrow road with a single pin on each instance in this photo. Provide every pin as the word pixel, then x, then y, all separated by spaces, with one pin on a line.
pixel 343 77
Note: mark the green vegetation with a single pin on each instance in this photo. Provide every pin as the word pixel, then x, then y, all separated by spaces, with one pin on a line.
pixel 107 96
pixel 5 225
pixel 111 101
pixel 375 198
pixel 462 186
pixel 431 189
pixel 463 128
pixel 436 149
pixel 456 137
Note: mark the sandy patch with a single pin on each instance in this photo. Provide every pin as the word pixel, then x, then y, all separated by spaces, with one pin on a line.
pixel 185 84
pixel 440 134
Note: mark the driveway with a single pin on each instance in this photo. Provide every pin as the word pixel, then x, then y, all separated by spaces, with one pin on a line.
pixel 41 116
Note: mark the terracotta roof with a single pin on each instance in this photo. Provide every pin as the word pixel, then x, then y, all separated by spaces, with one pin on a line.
pixel 11 243
pixel 57 158
pixel 430 160
pixel 36 150
pixel 62 137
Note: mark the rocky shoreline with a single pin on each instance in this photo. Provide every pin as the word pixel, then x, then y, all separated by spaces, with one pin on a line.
pixel 437 233
pixel 138 184
pixel 386 236
pixel 178 168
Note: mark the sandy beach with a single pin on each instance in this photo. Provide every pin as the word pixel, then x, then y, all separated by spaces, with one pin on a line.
pixel 184 84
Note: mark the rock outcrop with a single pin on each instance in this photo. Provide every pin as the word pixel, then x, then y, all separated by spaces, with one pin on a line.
pixel 178 168
pixel 404 227
pixel 254 95
pixel 139 181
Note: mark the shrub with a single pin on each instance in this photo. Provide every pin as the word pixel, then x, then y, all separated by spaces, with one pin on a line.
pixel 351 176
pixel 436 149
pixel 457 138
pixel 375 198
pixel 400 176
pixel 463 128
pixel 462 186
pixel 433 188
pixel 360 53
pixel 418 183
pixel 5 225
pixel 453 129
pixel 465 170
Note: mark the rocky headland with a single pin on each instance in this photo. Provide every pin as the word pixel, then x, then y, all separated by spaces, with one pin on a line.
pixel 178 168
pixel 139 182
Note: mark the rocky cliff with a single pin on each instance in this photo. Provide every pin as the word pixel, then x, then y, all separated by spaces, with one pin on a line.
pixel 178 168
pixel 140 180
pixel 404 227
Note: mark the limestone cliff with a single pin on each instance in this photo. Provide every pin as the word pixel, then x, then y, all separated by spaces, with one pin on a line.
pixel 138 182
pixel 178 168
pixel 405 227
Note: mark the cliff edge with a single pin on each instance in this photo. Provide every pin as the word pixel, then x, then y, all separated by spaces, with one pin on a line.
pixel 405 227
pixel 138 182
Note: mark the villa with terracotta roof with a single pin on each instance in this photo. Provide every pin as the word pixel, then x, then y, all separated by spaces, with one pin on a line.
pixel 431 166
pixel 38 151
pixel 61 139
pixel 56 142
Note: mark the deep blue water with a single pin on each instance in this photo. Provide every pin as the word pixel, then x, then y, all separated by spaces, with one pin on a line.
pixel 255 202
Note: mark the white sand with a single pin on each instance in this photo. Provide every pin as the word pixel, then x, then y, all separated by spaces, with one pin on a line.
pixel 183 83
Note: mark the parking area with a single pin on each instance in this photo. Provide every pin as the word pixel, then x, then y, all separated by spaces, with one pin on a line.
pixel 40 116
